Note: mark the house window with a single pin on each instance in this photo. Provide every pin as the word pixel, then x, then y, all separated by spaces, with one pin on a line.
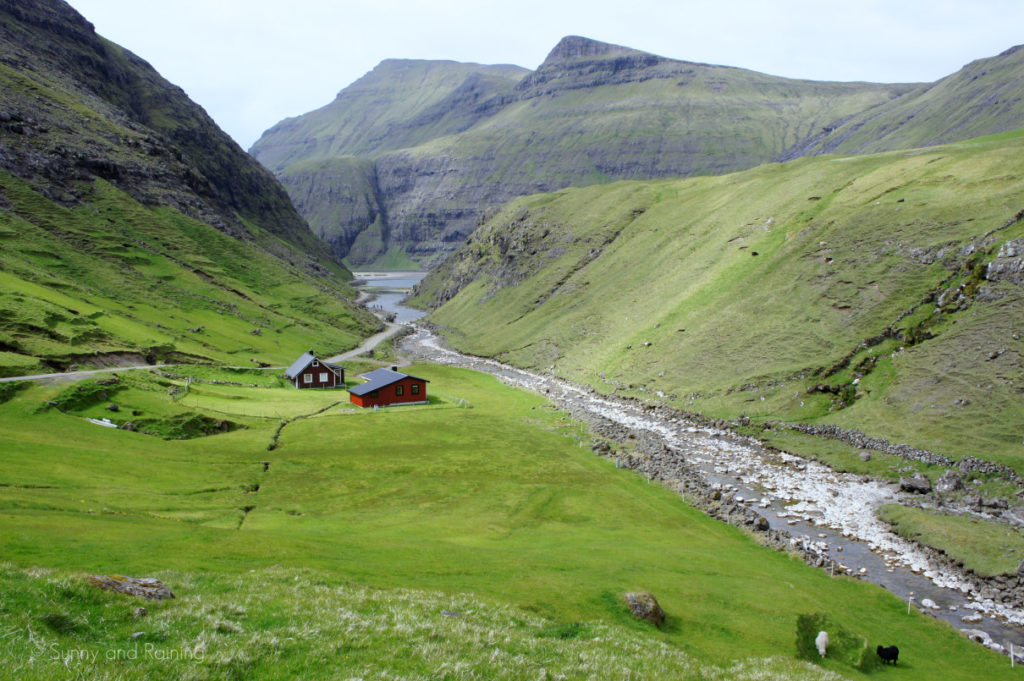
pixel 415 388
pixel 399 390
pixel 373 393
pixel 307 378
pixel 323 376
pixel 316 362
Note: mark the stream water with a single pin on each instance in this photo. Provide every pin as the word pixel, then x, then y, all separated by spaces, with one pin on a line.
pixel 814 504
pixel 387 290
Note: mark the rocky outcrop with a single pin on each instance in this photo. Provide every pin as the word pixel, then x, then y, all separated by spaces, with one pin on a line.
pixel 1009 263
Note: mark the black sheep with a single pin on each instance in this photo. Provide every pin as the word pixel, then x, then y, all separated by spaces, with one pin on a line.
pixel 888 654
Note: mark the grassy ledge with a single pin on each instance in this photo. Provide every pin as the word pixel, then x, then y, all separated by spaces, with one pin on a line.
pixel 987 548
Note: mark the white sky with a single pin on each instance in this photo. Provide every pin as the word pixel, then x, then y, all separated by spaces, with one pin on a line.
pixel 250 63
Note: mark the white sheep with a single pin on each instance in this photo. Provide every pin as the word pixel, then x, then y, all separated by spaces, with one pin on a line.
pixel 821 642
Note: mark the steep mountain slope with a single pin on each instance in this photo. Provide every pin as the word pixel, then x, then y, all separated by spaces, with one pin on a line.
pixel 983 98
pixel 123 205
pixel 400 103
pixel 882 292
pixel 591 113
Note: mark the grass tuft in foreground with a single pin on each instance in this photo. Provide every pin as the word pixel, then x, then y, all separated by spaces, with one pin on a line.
pixel 295 623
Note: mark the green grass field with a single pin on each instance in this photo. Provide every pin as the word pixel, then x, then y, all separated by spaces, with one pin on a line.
pixel 494 504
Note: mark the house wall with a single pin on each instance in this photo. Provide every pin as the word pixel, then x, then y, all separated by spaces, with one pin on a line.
pixel 314 372
pixel 387 395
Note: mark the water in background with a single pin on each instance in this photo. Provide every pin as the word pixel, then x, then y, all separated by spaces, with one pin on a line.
pixel 389 290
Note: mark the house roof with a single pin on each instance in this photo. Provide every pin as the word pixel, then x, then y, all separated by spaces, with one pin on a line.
pixel 381 378
pixel 302 362
pixel 298 365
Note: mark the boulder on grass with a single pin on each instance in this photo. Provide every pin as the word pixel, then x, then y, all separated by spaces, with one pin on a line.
pixel 949 482
pixel 644 605
pixel 143 587
pixel 917 484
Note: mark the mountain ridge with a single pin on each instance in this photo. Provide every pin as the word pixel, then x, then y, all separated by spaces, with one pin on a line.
pixel 981 98
pixel 592 112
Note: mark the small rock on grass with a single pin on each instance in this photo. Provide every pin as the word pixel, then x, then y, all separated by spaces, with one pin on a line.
pixel 644 605
pixel 917 484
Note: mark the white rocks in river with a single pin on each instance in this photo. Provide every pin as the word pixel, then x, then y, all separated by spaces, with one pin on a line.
pixel 972 619
pixel 929 603
pixel 983 638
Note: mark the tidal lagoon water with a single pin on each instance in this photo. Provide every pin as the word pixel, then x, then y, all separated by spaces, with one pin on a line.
pixel 385 291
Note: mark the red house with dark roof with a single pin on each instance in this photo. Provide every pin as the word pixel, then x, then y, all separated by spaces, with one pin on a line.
pixel 384 387
pixel 309 372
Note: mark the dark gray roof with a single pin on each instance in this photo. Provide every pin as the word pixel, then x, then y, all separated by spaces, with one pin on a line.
pixel 381 378
pixel 298 365
pixel 302 362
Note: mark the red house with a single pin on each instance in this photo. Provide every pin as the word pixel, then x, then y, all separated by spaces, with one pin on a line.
pixel 389 386
pixel 309 372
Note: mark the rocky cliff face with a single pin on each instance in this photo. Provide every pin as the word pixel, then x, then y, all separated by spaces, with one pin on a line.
pixel 450 141
pixel 117 119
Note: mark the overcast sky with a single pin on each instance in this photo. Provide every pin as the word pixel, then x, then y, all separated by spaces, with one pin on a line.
pixel 250 63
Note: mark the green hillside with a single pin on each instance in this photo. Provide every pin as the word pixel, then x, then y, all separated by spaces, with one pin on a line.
pixel 449 141
pixel 341 556
pixel 133 229
pixel 877 292
pixel 114 282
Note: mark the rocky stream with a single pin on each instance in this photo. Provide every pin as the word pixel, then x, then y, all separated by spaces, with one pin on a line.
pixel 793 504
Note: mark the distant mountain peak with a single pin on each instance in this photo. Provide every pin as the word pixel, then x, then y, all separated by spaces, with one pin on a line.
pixel 575 47
pixel 577 63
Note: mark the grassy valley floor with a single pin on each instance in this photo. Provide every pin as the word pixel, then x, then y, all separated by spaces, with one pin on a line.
pixel 492 509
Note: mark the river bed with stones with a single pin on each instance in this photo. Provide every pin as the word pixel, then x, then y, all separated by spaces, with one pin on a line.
pixel 827 517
